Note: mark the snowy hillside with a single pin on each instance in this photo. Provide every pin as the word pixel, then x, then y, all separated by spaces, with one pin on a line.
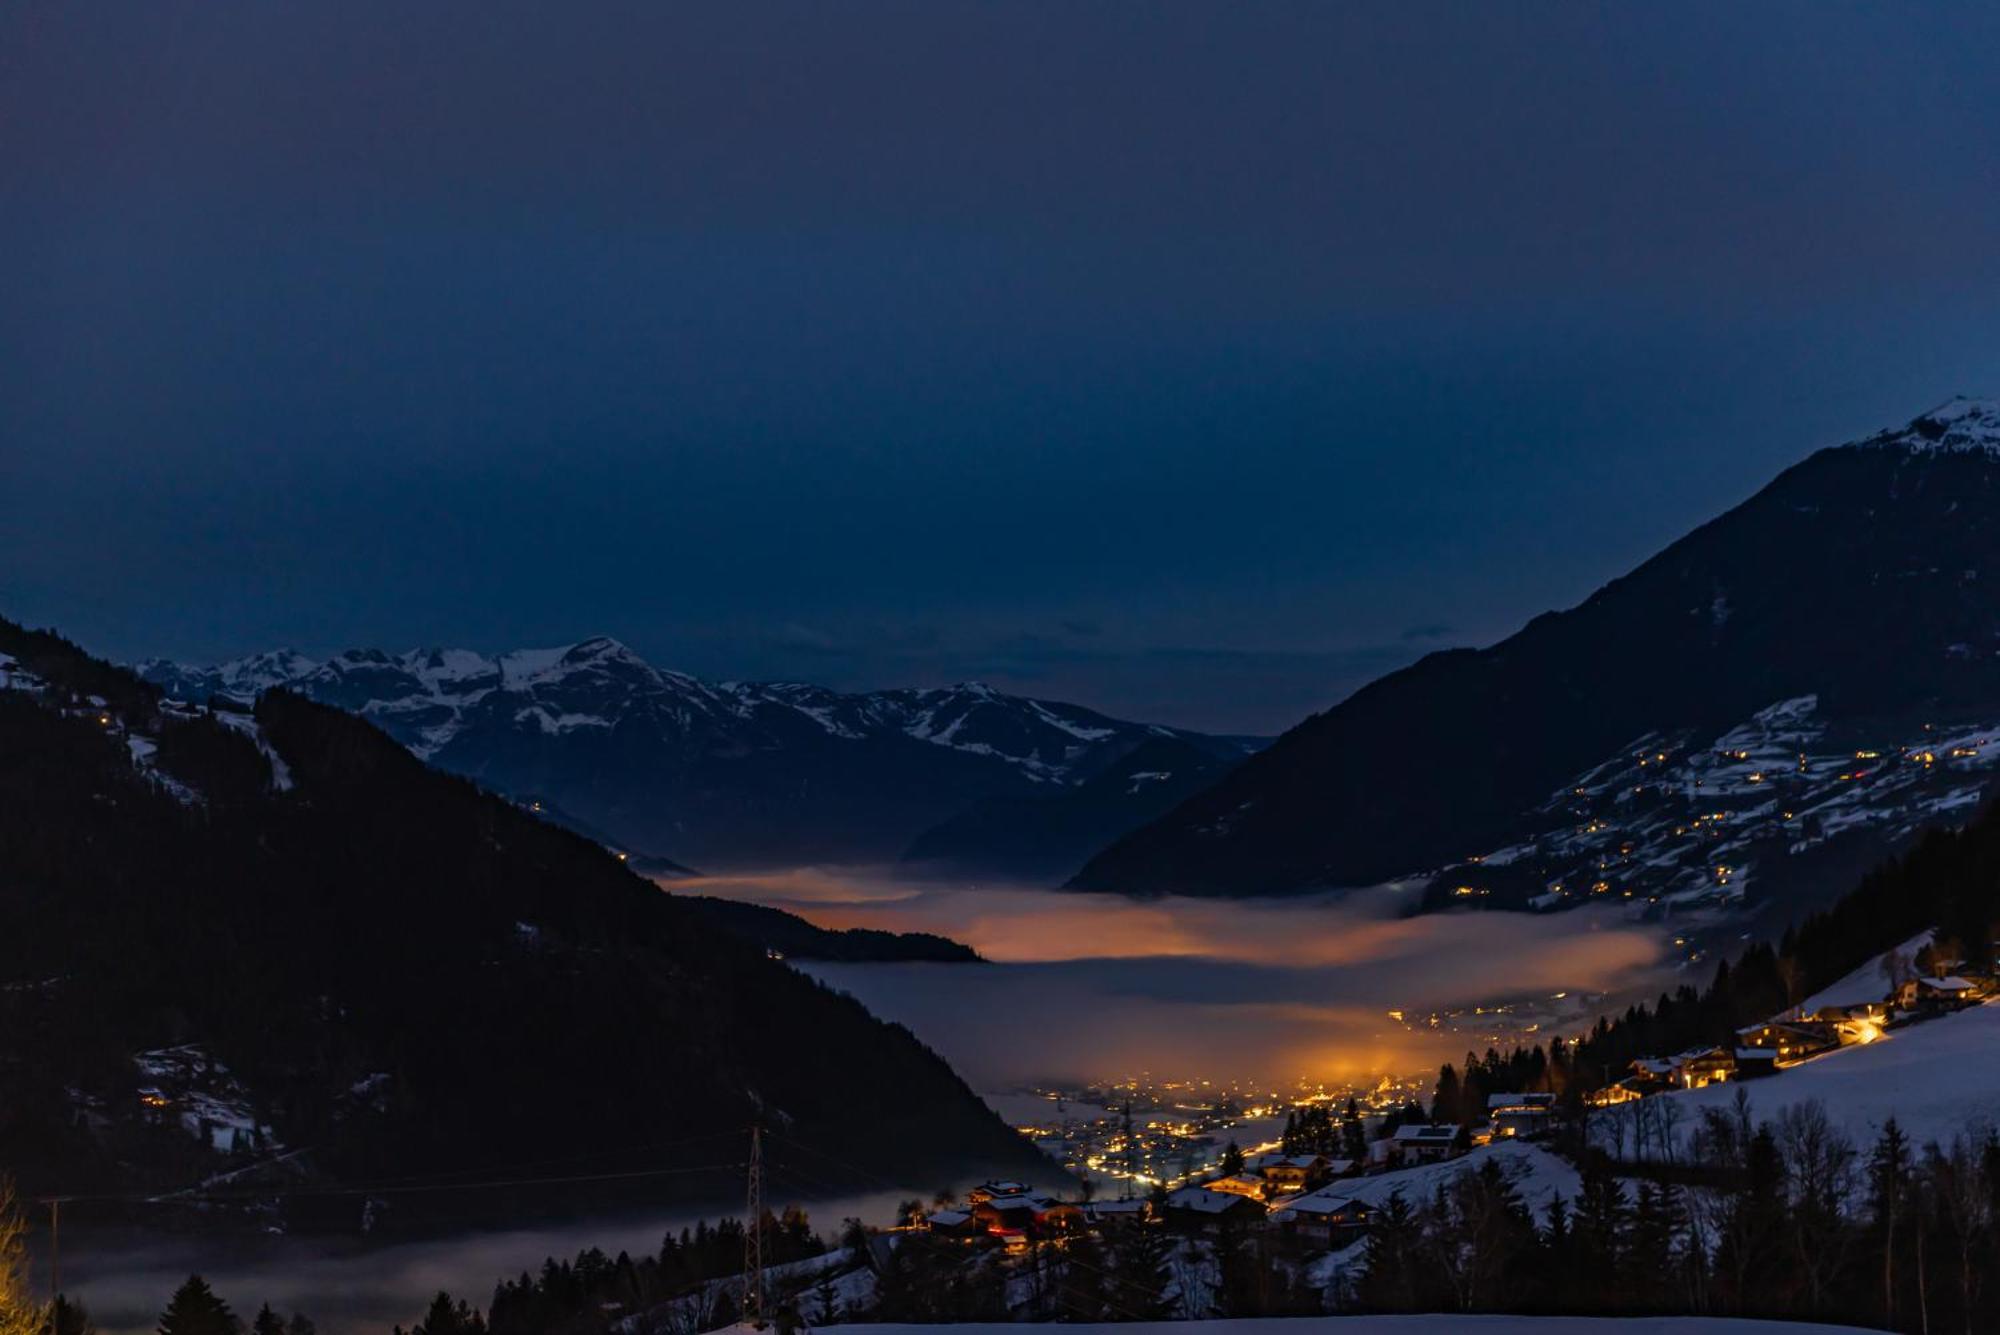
pixel 1538 1175
pixel 713 773
pixel 1699 826
pixel 1398 1325
pixel 1935 1079
pixel 1815 629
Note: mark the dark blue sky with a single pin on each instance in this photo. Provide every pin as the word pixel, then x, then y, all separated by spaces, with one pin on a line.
pixel 1192 361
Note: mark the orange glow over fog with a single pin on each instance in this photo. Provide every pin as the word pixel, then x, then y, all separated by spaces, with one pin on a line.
pixel 1103 985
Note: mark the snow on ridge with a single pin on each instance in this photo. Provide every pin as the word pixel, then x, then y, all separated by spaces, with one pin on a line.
pixel 1957 426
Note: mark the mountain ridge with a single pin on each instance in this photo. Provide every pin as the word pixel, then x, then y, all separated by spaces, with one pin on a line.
pixel 210 972
pixel 710 774
pixel 1854 576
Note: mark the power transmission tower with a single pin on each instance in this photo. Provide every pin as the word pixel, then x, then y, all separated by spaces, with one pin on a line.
pixel 1131 1152
pixel 753 1235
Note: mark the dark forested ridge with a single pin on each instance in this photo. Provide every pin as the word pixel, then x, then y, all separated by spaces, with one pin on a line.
pixel 1867 576
pixel 323 947
pixel 790 935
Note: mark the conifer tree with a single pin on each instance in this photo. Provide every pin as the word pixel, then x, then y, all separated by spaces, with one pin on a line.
pixel 196 1310
pixel 1138 1290
pixel 445 1317
pixel 68 1317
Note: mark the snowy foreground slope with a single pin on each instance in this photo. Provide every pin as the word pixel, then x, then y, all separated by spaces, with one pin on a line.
pixel 1934 1078
pixel 1536 1174
pixel 1400 1325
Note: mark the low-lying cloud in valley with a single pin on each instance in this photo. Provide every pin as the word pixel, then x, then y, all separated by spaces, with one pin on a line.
pixel 1095 986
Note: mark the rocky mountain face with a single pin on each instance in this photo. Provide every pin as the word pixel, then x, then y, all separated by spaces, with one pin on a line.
pixel 1779 697
pixel 268 946
pixel 718 775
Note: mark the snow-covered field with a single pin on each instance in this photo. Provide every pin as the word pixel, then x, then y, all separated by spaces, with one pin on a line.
pixel 1538 1175
pixel 1400 1325
pixel 1935 1078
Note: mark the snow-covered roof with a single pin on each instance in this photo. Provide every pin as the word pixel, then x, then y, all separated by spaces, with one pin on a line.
pixel 1951 984
pixel 1020 1202
pixel 1204 1201
pixel 1420 1135
pixel 1279 1159
pixel 1538 1102
pixel 948 1218
pixel 1133 1206
pixel 1319 1203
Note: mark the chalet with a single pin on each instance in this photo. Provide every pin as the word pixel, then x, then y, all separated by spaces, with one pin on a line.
pixel 1424 1144
pixel 1002 1215
pixel 1199 1210
pixel 1323 1217
pixel 1242 1184
pixel 1855 1022
pixel 1520 1116
pixel 1754 1062
pixel 1792 1040
pixel 1624 1091
pixel 1698 1068
pixel 1949 993
pixel 1290 1172
pixel 1105 1214
pixel 986 1191
pixel 953 1223
pixel 1651 1075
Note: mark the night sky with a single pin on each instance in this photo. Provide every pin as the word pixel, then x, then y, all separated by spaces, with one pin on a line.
pixel 1195 362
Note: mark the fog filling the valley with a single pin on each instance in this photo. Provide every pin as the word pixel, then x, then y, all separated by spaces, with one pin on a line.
pixel 1097 986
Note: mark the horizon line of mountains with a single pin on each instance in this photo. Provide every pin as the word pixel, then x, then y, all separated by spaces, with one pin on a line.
pixel 320 932
pixel 684 773
pixel 1850 607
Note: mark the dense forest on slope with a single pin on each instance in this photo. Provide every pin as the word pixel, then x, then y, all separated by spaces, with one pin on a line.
pixel 399 973
pixel 790 935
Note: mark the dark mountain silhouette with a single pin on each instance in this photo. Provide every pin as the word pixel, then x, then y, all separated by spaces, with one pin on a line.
pixel 274 943
pixel 1867 576
pixel 794 937
pixel 1044 837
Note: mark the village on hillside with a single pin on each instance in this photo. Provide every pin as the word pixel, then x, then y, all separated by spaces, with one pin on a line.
pixel 1322 1180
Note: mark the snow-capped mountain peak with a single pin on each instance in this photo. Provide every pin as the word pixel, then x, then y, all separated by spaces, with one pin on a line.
pixel 1959 425
pixel 664 760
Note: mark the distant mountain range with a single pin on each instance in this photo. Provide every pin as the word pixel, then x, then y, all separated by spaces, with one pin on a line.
pixel 724 775
pixel 1745 720
pixel 268 947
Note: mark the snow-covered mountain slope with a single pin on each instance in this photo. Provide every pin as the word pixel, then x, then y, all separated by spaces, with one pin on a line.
pixel 1866 577
pixel 1937 1079
pixel 1723 828
pixel 716 774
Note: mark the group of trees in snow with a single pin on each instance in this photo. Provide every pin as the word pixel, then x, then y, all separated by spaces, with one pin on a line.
pixel 1315 1130
pixel 1788 1218
pixel 195 1308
